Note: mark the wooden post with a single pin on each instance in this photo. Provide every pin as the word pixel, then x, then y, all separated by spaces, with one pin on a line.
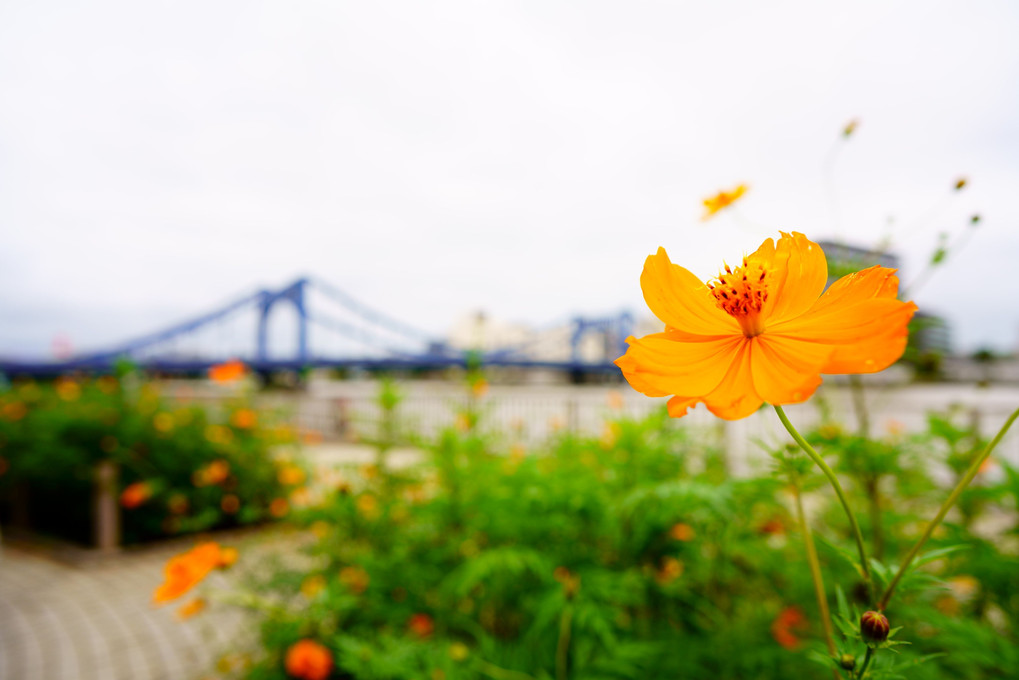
pixel 106 512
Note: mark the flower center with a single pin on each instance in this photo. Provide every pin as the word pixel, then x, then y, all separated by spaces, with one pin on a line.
pixel 741 293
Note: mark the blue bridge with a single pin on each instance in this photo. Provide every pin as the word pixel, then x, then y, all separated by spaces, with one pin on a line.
pixel 311 324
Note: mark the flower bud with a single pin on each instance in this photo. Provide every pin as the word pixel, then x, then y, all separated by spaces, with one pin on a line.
pixel 847 661
pixel 874 627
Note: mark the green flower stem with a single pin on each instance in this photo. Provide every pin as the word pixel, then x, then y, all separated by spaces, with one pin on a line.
pixel 562 652
pixel 866 662
pixel 830 474
pixel 815 573
pixel 974 468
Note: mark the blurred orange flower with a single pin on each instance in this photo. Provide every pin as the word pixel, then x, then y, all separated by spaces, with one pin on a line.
pixel 312 586
pixel 244 419
pixel 230 504
pixel 670 570
pixel 214 473
pixel 681 532
pixel 355 578
pixel 228 557
pixel 279 507
pixel 762 332
pixel 68 389
pixel 190 609
pixel 178 504
pixel 479 388
pixel 290 475
pixel 721 200
pixel 227 372
pixel 15 411
pixel 185 571
pixel 788 620
pixel 421 625
pixel 135 494
pixel 163 422
pixel 308 660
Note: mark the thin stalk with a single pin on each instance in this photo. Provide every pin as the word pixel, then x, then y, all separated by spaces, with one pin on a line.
pixel 876 528
pixel 815 570
pixel 830 474
pixel 562 652
pixel 866 662
pixel 860 405
pixel 974 468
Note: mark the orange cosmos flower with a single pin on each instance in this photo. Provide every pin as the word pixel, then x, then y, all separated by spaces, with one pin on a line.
pixel 135 495
pixel 185 571
pixel 721 200
pixel 762 332
pixel 244 419
pixel 227 372
pixel 785 626
pixel 309 660
pixel 421 625
pixel 190 609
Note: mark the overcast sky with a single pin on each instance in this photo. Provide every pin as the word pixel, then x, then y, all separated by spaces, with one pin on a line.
pixel 159 158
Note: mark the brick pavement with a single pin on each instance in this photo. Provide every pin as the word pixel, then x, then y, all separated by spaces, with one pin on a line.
pixel 94 620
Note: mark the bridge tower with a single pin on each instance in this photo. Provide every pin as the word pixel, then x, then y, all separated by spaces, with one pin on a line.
pixel 293 294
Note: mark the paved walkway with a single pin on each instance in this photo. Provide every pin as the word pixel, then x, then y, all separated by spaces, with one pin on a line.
pixel 94 620
pixel 73 615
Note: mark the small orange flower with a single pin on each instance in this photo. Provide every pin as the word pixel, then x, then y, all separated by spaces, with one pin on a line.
pixel 291 475
pixel 214 473
pixel 762 332
pixel 195 606
pixel 721 200
pixel 308 660
pixel 178 504
pixel 312 586
pixel 135 495
pixel 244 419
pixel 479 388
pixel 421 625
pixel 227 372
pixel 15 411
pixel 355 578
pixel 681 532
pixel 311 437
pixel 163 422
pixel 368 506
pixel 228 557
pixel 68 389
pixel 670 570
pixel 279 507
pixel 184 572
pixel 788 620
pixel 230 504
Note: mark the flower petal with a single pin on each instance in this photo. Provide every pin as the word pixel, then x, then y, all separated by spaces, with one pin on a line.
pixel 797 276
pixel 786 371
pixel 873 282
pixel 661 364
pixel 681 300
pixel 867 336
pixel 735 398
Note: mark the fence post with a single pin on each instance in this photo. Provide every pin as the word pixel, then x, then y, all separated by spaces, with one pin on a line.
pixel 106 513
pixel 572 424
pixel 341 414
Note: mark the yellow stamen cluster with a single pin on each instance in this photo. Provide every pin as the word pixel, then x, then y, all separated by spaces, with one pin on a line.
pixel 741 293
